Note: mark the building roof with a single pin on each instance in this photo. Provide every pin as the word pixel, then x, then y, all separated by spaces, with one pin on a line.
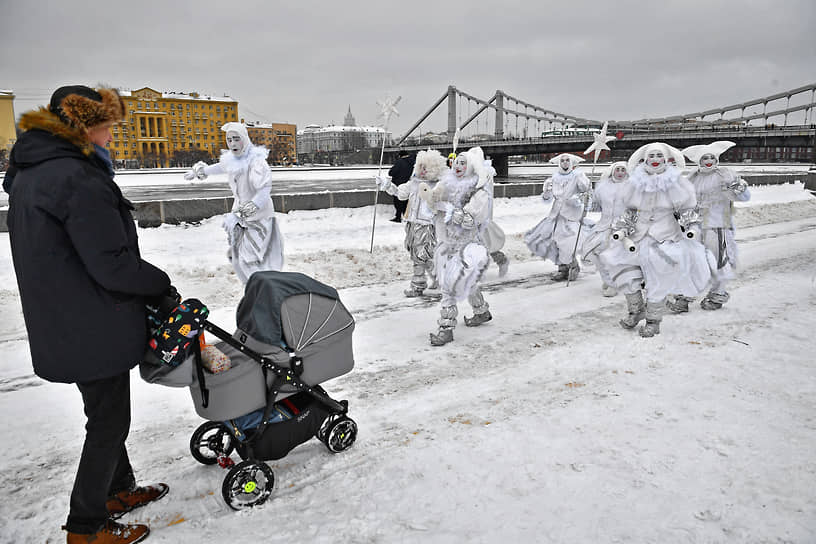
pixel 182 96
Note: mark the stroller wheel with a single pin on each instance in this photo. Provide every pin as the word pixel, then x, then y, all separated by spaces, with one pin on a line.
pixel 248 484
pixel 341 434
pixel 209 441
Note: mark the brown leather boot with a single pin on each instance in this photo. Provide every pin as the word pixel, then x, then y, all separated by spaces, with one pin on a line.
pixel 125 501
pixel 111 533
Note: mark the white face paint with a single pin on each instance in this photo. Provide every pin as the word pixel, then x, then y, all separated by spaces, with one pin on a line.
pixel 619 173
pixel 565 164
pixel 460 165
pixel 708 162
pixel 423 171
pixel 234 142
pixel 655 161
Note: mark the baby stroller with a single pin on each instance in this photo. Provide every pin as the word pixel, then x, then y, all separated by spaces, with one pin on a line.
pixel 293 334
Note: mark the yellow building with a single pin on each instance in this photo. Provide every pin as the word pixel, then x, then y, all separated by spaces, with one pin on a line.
pixel 160 125
pixel 8 132
pixel 279 138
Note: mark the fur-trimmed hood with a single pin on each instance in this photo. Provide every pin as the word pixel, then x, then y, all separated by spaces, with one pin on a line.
pixel 43 119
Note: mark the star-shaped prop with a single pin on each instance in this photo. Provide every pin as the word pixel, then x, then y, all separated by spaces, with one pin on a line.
pixel 388 107
pixel 600 142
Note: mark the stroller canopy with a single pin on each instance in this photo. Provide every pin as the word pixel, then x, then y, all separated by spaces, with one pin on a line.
pixel 291 308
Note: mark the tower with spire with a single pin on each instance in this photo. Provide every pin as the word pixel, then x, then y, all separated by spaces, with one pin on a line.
pixel 349 120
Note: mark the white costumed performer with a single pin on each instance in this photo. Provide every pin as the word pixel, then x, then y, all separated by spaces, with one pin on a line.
pixel 463 206
pixel 554 237
pixel 716 188
pixel 660 252
pixel 420 234
pixel 255 241
pixel 608 197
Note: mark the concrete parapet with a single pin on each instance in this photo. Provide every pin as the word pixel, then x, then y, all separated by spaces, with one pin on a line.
pixel 154 213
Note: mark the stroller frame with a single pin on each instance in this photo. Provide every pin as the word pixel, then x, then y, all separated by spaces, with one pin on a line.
pixel 250 482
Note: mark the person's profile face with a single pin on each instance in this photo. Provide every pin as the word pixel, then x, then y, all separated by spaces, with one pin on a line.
pixel 101 134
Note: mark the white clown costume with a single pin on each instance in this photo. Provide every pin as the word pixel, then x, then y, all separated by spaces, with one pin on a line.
pixel 660 252
pixel 420 234
pixel 463 202
pixel 608 197
pixel 716 189
pixel 554 237
pixel 255 241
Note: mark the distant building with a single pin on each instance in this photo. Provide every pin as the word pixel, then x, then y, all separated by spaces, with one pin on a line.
pixel 318 143
pixel 279 138
pixel 162 126
pixel 8 132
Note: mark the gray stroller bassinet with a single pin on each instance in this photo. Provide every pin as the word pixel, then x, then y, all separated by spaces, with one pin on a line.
pixel 293 334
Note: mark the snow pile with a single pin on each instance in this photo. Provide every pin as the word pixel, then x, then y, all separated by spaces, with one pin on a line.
pixel 548 424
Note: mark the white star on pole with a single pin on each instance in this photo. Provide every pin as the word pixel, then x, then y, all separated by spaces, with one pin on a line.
pixel 388 107
pixel 600 142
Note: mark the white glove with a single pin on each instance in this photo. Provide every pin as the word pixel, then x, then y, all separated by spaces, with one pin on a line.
pixel 458 216
pixel 230 220
pixel 247 210
pixel 447 207
pixel 738 186
pixel 197 171
pixel 382 182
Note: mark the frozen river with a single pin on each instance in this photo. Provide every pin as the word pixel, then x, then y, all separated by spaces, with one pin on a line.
pixel 169 183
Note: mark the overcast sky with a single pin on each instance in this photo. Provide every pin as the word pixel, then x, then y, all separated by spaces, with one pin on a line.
pixel 306 62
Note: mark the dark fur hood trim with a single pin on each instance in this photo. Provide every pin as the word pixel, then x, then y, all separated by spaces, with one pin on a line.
pixel 43 119
pixel 83 112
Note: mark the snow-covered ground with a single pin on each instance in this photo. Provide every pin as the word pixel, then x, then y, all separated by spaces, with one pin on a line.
pixel 548 424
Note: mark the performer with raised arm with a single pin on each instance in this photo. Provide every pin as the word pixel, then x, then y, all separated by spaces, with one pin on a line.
pixel 716 188
pixel 420 234
pixel 463 206
pixel 554 238
pixel 608 196
pixel 658 253
pixel 255 240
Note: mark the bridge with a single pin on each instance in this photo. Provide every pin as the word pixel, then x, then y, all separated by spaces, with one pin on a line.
pixel 781 126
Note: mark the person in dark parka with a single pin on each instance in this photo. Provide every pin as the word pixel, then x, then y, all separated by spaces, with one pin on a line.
pixel 401 172
pixel 83 287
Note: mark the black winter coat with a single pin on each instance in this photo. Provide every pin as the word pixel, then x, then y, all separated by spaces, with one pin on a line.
pixel 75 251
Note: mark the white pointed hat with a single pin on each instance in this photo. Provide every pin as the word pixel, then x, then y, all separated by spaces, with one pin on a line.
pixel 668 150
pixel 574 159
pixel 717 148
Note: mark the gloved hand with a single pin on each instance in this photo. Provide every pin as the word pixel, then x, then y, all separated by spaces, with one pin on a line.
pixel 230 220
pixel 247 210
pixel 447 207
pixel 197 171
pixel 382 182
pixel 737 186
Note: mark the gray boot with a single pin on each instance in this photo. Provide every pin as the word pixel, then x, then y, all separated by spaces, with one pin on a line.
pixel 714 301
pixel 478 319
pixel 441 338
pixel 678 304
pixel 446 322
pixel 636 310
pixel 481 309
pixel 413 292
pixel 562 274
pixel 501 260
pixel 654 314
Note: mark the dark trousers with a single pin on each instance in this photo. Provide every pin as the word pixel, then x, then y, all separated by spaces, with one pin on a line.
pixel 399 207
pixel 104 467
